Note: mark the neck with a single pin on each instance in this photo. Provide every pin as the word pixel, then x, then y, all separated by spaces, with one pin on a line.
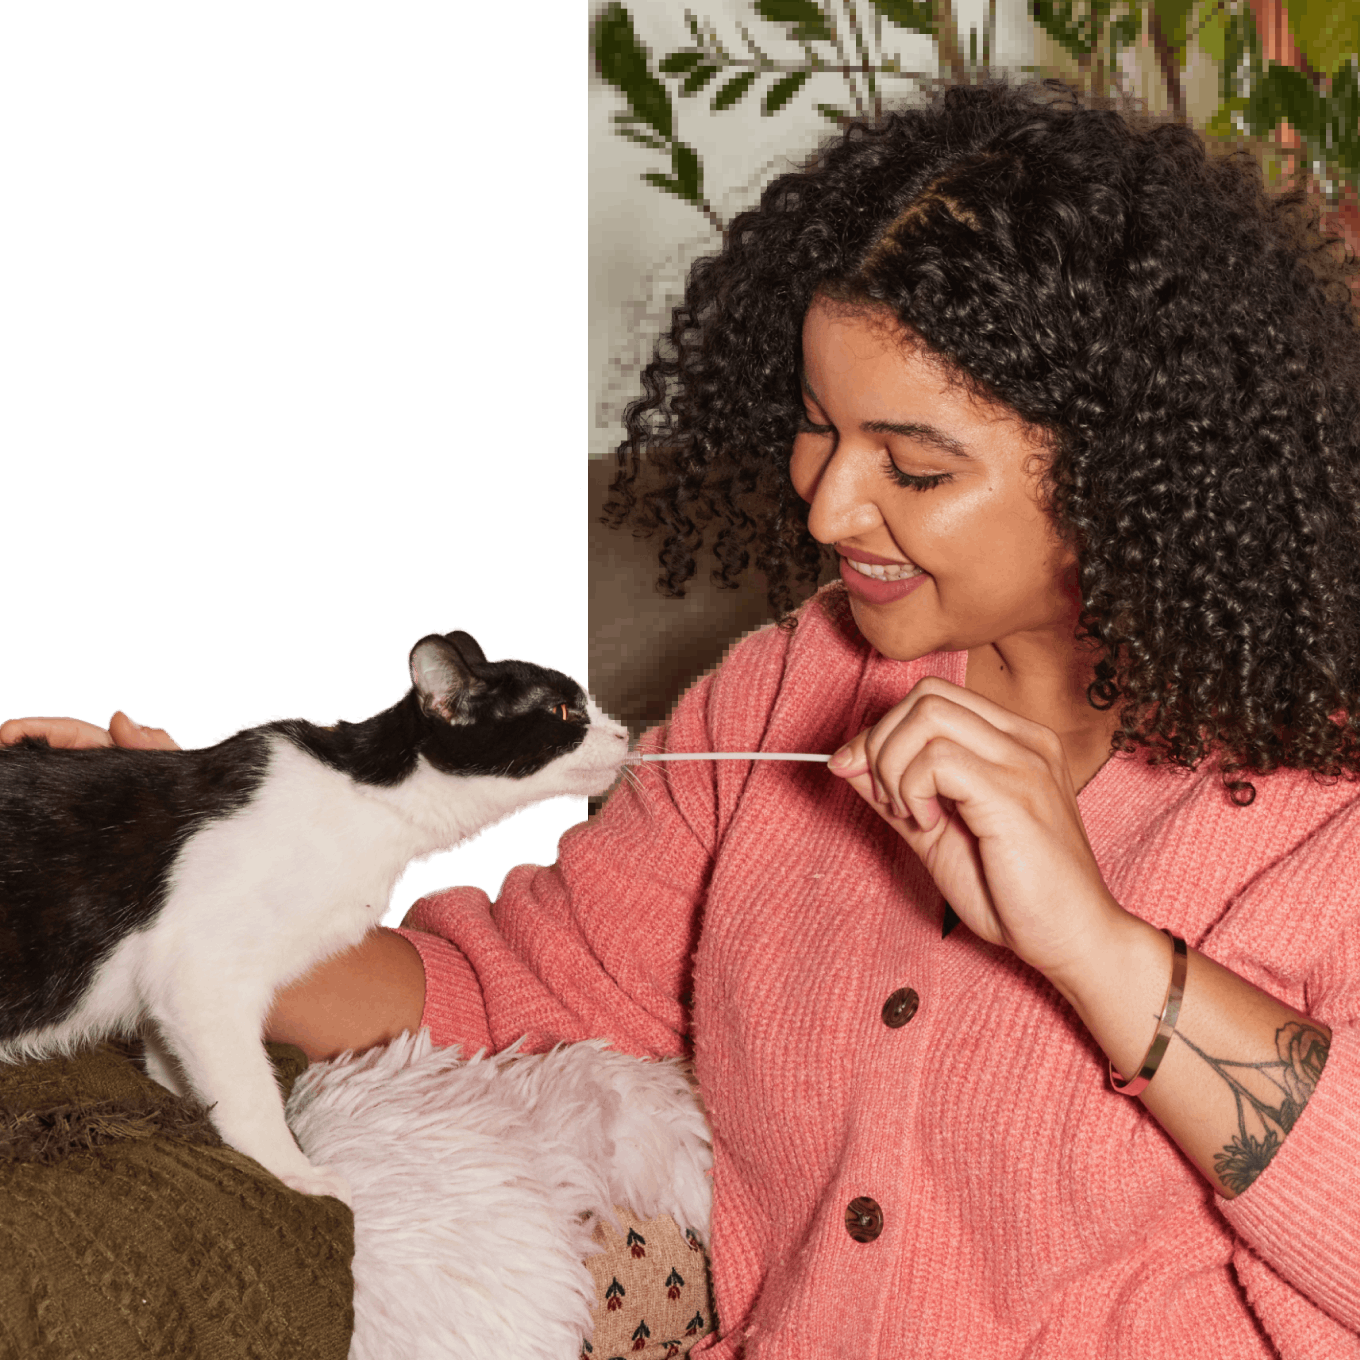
pixel 381 750
pixel 1045 679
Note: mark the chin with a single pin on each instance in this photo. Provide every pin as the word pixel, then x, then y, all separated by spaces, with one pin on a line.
pixel 896 643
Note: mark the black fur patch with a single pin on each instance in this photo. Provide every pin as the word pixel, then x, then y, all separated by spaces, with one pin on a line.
pixel 89 838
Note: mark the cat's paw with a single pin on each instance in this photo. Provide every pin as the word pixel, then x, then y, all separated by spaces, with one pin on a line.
pixel 320 1180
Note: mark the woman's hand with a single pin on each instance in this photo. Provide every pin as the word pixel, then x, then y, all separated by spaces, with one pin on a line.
pixel 74 735
pixel 986 800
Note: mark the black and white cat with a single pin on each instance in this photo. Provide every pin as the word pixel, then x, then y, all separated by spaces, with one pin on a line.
pixel 176 891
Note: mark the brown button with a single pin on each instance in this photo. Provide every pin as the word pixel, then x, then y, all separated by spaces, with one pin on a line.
pixel 863 1219
pixel 900 1007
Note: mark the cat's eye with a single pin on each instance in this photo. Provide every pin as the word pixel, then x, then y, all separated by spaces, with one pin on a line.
pixel 562 712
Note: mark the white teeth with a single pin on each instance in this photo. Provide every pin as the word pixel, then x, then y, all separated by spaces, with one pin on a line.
pixel 884 573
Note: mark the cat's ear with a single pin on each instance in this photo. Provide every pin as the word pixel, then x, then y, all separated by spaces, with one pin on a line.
pixel 467 646
pixel 440 674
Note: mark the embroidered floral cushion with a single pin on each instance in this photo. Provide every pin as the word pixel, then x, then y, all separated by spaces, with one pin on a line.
pixel 652 1297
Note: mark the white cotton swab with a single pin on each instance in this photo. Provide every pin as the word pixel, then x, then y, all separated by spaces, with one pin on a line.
pixel 739 755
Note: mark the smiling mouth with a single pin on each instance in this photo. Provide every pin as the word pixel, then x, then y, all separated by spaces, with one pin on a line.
pixel 882 572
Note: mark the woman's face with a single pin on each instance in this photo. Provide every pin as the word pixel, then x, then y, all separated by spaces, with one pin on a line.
pixel 934 493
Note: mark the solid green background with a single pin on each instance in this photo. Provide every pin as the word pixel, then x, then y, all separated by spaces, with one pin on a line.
pixel 293 346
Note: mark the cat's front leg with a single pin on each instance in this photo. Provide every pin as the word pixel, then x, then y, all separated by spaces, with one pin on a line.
pixel 225 1062
pixel 159 1063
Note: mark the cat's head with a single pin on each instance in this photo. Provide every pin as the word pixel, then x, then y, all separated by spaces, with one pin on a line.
pixel 509 718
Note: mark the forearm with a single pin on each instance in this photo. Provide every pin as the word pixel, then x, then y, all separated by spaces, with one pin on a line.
pixel 366 996
pixel 1240 1066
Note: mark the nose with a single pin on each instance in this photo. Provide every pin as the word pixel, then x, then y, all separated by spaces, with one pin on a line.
pixel 840 490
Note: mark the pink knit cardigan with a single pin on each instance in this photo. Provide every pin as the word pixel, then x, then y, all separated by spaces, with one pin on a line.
pixel 762 914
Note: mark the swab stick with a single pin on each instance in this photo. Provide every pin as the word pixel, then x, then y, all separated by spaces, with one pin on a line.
pixel 738 755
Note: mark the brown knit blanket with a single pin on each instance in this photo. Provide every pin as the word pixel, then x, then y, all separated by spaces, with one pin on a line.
pixel 127 1228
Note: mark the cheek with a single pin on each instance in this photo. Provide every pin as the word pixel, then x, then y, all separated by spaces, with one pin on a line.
pixel 1002 554
pixel 981 544
pixel 947 531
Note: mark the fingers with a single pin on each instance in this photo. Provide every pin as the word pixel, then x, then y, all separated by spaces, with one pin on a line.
pixel 920 796
pixel 920 817
pixel 939 696
pixel 933 724
pixel 886 800
pixel 134 737
pixel 71 734
pixel 66 733
pixel 937 711
pixel 908 763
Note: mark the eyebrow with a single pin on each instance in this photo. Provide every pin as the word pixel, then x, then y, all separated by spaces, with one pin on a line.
pixel 912 429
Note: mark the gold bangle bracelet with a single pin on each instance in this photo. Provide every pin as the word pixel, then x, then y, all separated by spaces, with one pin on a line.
pixel 1166 1025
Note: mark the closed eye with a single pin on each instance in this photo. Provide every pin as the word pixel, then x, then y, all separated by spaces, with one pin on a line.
pixel 915 481
pixel 911 480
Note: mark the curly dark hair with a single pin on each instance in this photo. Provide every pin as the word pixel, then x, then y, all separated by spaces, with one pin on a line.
pixel 1185 341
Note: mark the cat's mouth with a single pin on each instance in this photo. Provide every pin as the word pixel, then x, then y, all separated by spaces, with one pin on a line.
pixel 600 758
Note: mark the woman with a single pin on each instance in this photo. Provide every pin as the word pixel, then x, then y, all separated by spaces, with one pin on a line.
pixel 1077 410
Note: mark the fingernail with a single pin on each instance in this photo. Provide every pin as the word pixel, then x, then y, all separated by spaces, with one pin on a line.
pixel 842 757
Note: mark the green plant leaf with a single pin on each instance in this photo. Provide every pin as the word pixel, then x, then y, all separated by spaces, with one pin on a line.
pixel 916 15
pixel 1213 35
pixel 834 114
pixel 1073 32
pixel 733 91
pixel 1126 31
pixel 689 173
pixel 1344 119
pixel 782 91
pixel 1239 42
pixel 806 16
pixel 679 62
pixel 641 138
pixel 622 62
pixel 1327 31
pixel 1222 124
pixel 1173 16
pixel 666 183
pixel 698 78
pixel 1284 94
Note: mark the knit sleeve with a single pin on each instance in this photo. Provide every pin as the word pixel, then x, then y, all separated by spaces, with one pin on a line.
pixel 601 944
pixel 1299 1219
pixel 1301 1215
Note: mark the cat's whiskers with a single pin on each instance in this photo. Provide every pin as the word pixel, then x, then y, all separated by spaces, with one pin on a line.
pixel 631 778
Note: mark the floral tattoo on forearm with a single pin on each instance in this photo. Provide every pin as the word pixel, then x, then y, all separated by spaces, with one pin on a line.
pixel 1266 1113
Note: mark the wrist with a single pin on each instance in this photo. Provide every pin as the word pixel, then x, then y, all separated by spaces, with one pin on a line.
pixel 1118 984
